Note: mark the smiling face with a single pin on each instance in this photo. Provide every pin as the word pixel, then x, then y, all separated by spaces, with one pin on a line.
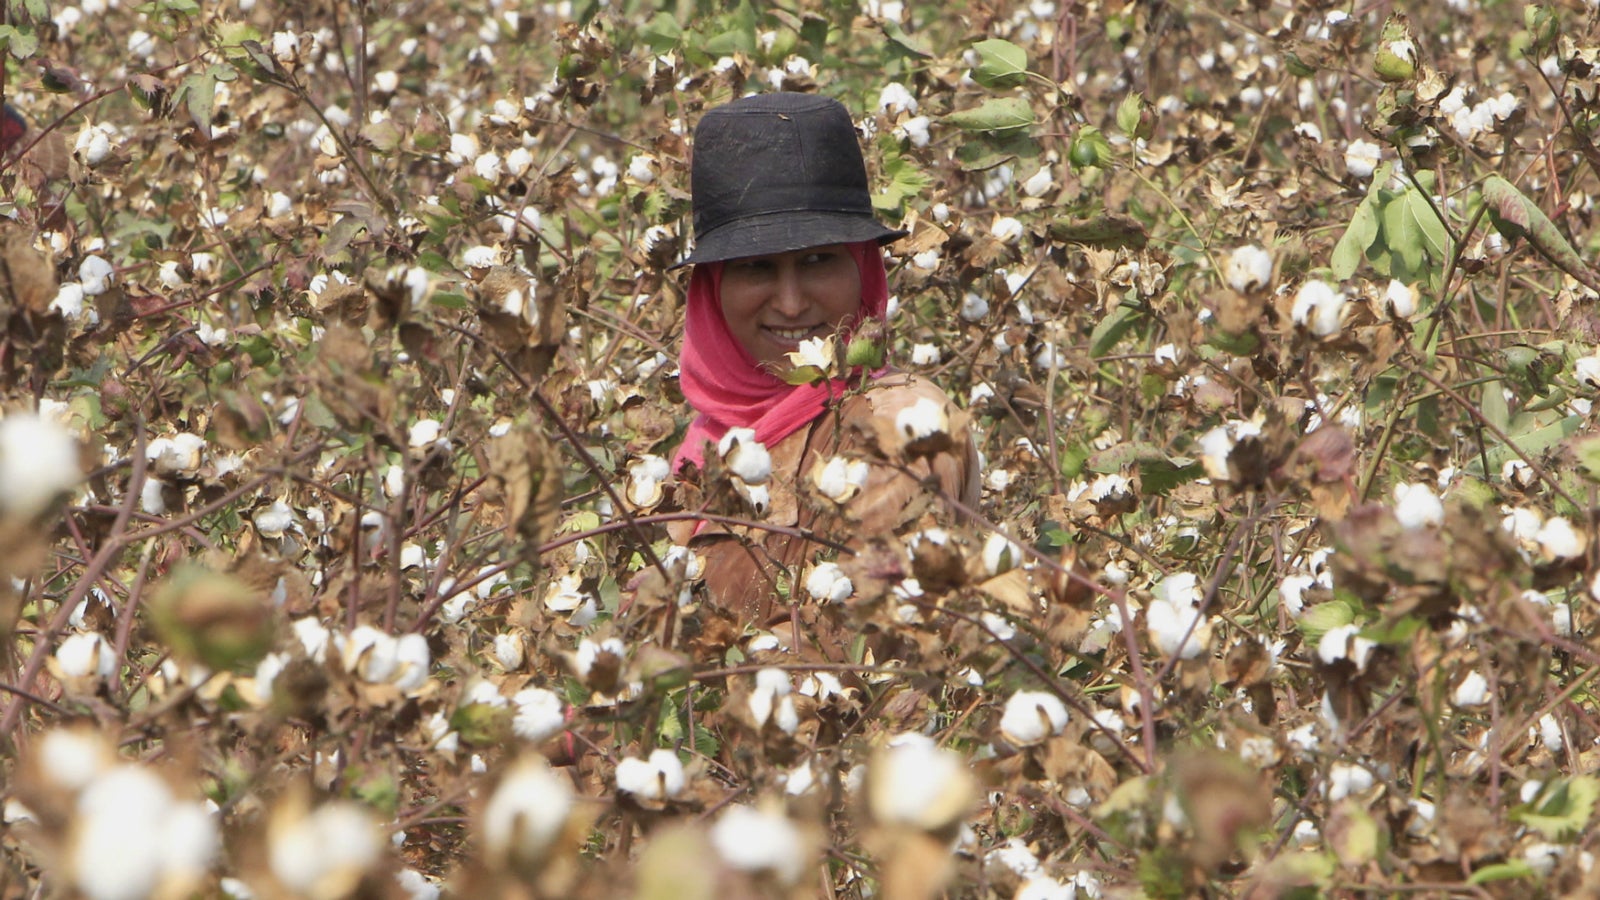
pixel 772 303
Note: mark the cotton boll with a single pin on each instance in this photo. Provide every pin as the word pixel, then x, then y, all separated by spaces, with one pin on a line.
pixel 1347 779
pixel 540 714
pixel 771 702
pixel 827 583
pixel 1319 306
pixel 116 852
pixel 915 783
pixel 527 811
pixel 752 840
pixel 1248 267
pixel 923 419
pixel 1345 642
pixel 38 464
pixel 894 98
pixel 1400 299
pixel 1472 691
pixel 1032 716
pixel 1006 229
pixel 86 655
pixel 924 355
pixel 660 777
pixel 424 433
pixel 1000 554
pixel 1361 158
pixel 1416 506
pixel 1558 539
pixel 745 456
pixel 1167 624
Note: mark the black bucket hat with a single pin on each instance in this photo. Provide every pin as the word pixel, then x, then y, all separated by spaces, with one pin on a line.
pixel 778 172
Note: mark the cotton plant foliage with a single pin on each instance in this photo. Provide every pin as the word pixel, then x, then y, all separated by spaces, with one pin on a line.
pixel 338 397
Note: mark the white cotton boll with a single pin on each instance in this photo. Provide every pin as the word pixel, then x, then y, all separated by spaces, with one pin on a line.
pixel 974 307
pixel 1549 732
pixel 1043 887
pixel 660 777
pixel 480 257
pixel 1039 183
pixel 95 275
pixel 1361 158
pixel 1586 369
pixel 151 500
pixel 84 655
pixel 1248 267
pixel 1416 506
pixel 176 455
pixel 272 521
pixel 371 654
pixel 1032 716
pixel 1291 593
pixel 540 714
pixel 1401 299
pixel 314 638
pixel 924 355
pixel 915 130
pixel 771 701
pixel 413 660
pixel 589 652
pixel 425 432
pixel 1000 554
pixel 1319 306
pixel 337 837
pixel 752 840
pixel 997 480
pixel 916 783
pixel 508 651
pixel 642 168
pixel 1309 131
pixel 519 161
pixel 38 464
pixel 169 276
pixel 488 166
pixel 1167 623
pixel 745 456
pixel 1345 642
pixel 894 98
pixel 1347 779
pixel 526 813
pixel 927 260
pixel 839 479
pixel 1006 229
pixel 1472 691
pixel 69 301
pixel 71 757
pixel 93 145
pixel 463 147
pixel 117 847
pixel 827 583
pixel 1557 539
pixel 1014 856
pixel 925 418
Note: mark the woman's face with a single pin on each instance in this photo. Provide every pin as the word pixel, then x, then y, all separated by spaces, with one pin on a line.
pixel 772 303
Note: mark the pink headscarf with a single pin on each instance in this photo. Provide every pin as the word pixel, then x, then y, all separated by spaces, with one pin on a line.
pixel 726 386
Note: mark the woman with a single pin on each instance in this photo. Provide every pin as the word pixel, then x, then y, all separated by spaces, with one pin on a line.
pixel 787 252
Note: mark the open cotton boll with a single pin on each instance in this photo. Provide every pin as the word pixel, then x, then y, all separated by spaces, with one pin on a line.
pixel 38 463
pixel 525 814
pixel 1000 554
pixel 325 852
pixel 424 433
pixel 540 714
pixel 1319 306
pixel 757 841
pixel 923 419
pixel 1558 539
pixel 919 784
pixel 771 701
pixel 1361 158
pixel 1345 642
pixel 1472 691
pixel 1032 716
pixel 828 583
pixel 658 778
pixel 1416 506
pixel 1167 623
pixel 1248 267
pixel 745 456
pixel 179 454
pixel 86 655
pixel 839 479
pixel 1345 779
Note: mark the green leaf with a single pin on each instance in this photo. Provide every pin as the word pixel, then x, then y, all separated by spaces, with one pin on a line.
pixel 1001 64
pixel 1514 216
pixel 987 150
pixel 1128 112
pixel 662 33
pixel 1000 114
pixel 1402 236
pixel 1562 808
pixel 21 42
pixel 1495 410
pixel 1112 329
pixel 1107 230
pixel 1518 868
pixel 1316 621
pixel 1435 237
pixel 904 43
